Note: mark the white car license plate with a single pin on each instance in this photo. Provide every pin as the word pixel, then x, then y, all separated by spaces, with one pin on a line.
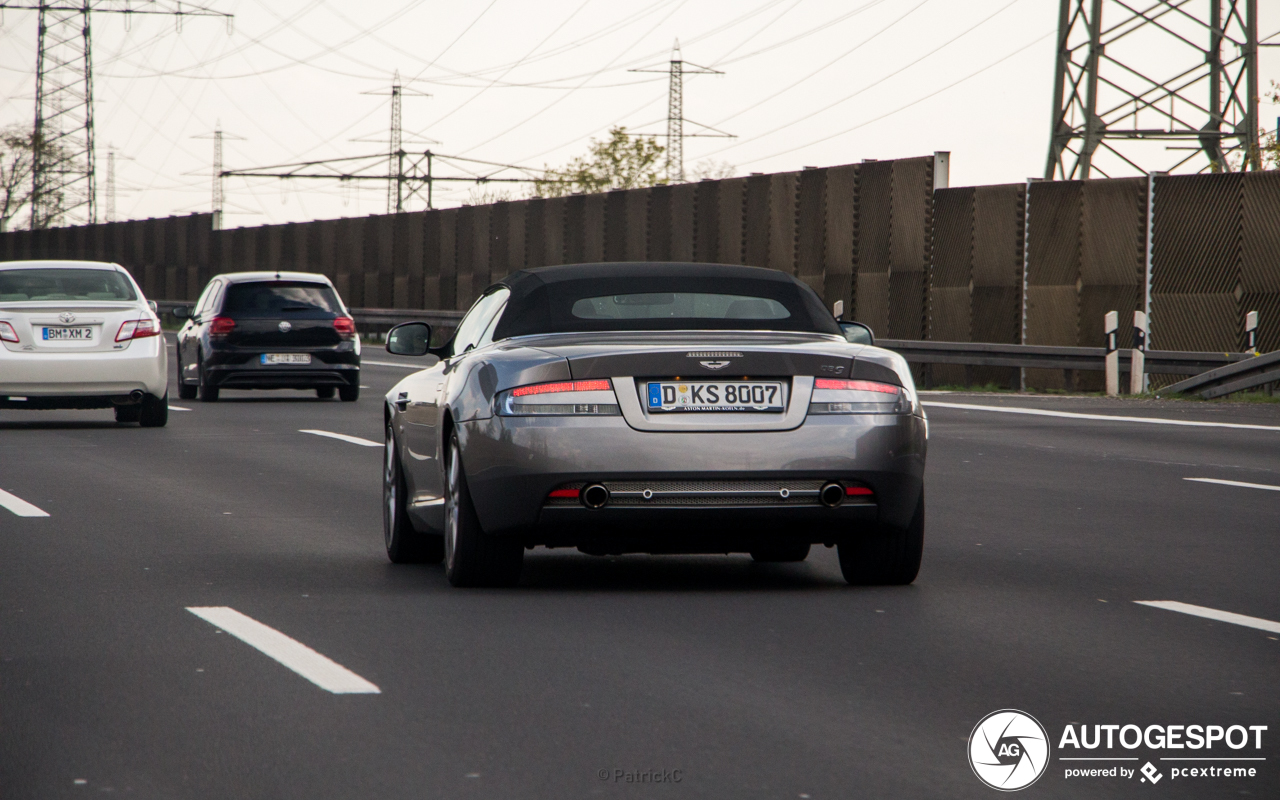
pixel 286 358
pixel 716 396
pixel 67 334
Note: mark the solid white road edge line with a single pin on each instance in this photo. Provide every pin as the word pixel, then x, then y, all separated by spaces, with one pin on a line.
pixel 344 437
pixel 1213 613
pixel 19 506
pixel 323 672
pixel 364 361
pixel 1235 483
pixel 1040 412
pixel 178 408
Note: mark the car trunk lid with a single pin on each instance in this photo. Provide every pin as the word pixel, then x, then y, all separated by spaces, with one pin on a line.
pixel 69 326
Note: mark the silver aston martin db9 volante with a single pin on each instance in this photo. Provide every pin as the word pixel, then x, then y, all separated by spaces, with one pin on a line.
pixel 653 408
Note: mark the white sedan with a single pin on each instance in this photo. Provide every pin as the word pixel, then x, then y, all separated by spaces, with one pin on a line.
pixel 80 334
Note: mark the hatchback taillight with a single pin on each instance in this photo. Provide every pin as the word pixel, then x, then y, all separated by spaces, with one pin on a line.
pixel 221 326
pixel 345 326
pixel 7 333
pixel 137 329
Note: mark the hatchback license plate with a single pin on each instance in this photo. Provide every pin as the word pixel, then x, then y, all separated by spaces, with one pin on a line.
pixel 68 334
pixel 286 358
pixel 715 396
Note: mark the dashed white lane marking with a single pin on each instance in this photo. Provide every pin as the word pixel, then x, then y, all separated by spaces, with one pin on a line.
pixel 345 438
pixel 19 506
pixel 1041 412
pixel 178 408
pixel 364 361
pixel 1213 613
pixel 1235 483
pixel 323 672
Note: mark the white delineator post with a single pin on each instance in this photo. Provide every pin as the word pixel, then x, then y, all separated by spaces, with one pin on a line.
pixel 1110 323
pixel 1251 332
pixel 1138 364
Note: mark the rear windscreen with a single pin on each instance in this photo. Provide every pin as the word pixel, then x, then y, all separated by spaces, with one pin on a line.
pixel 679 305
pixel 280 299
pixel 17 285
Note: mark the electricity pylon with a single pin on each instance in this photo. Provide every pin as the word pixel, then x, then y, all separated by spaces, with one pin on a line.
pixel 63 180
pixel 396 187
pixel 217 136
pixel 677 69
pixel 1187 70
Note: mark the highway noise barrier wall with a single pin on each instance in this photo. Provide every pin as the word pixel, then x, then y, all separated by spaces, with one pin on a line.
pixel 1039 262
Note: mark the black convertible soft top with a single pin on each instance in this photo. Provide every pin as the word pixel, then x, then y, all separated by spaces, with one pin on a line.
pixel 542 298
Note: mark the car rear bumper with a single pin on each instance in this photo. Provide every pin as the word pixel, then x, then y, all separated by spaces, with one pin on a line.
pixel 239 370
pixel 513 463
pixel 143 366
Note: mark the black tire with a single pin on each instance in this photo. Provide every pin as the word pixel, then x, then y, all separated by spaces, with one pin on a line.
pixel 781 552
pixel 325 392
pixel 472 557
pixel 130 413
pixel 154 411
pixel 208 394
pixel 889 556
pixel 186 391
pixel 349 394
pixel 404 544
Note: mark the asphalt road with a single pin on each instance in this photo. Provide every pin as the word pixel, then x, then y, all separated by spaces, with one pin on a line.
pixel 620 677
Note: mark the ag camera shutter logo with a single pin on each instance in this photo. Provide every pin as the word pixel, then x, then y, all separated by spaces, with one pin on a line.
pixel 1008 750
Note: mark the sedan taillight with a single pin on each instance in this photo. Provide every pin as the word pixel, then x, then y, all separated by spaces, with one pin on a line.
pixel 345 326
pixel 219 327
pixel 7 333
pixel 137 329
pixel 855 386
pixel 559 399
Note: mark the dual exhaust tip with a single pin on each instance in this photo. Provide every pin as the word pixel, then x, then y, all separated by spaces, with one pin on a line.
pixel 596 495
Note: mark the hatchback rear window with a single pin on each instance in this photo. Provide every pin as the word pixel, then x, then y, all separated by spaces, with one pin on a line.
pixel 280 299
pixel 679 305
pixel 17 285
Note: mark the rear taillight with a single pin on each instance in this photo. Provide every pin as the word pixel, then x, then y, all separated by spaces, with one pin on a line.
pixel 7 333
pixel 345 326
pixel 557 399
pixel 220 326
pixel 601 385
pixel 855 386
pixel 137 329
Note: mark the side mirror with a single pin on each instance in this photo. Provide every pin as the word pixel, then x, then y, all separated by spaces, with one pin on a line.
pixel 180 312
pixel 151 304
pixel 409 339
pixel 857 333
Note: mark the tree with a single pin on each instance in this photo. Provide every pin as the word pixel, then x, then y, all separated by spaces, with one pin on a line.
pixel 17 151
pixel 713 170
pixel 621 161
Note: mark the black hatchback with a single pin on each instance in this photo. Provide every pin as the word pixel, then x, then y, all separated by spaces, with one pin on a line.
pixel 268 330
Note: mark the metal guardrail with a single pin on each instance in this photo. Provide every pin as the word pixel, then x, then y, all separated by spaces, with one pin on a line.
pixel 1237 377
pixel 988 354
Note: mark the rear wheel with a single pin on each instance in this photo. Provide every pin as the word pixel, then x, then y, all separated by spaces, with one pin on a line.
pixel 779 552
pixel 154 411
pixel 888 556
pixel 186 391
pixel 128 413
pixel 325 392
pixel 349 394
pixel 208 393
pixel 471 557
pixel 404 544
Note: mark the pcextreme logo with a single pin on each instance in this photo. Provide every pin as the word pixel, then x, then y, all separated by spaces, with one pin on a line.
pixel 1008 750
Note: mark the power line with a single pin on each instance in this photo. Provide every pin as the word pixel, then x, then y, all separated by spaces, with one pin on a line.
pixel 63 152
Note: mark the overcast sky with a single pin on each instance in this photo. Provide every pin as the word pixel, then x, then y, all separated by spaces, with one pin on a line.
pixel 806 83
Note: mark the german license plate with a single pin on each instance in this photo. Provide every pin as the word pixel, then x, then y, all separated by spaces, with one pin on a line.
pixel 68 334
pixel 286 358
pixel 716 396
